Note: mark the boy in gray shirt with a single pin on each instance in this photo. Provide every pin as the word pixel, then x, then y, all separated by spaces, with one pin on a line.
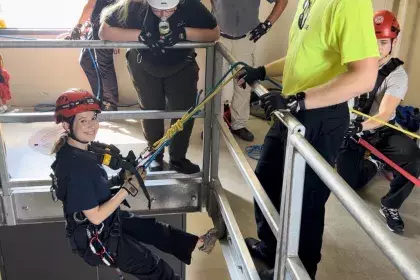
pixel 351 162
pixel 237 19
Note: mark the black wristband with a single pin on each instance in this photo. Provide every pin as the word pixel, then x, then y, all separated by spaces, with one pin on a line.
pixel 263 73
pixel 300 96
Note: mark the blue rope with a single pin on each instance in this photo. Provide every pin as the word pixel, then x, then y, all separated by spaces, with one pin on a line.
pixel 98 75
pixel 154 155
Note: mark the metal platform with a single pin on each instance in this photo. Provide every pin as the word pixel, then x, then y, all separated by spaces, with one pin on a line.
pixel 175 193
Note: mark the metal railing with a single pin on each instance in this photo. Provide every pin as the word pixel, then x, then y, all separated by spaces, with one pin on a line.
pixel 299 150
pixel 210 193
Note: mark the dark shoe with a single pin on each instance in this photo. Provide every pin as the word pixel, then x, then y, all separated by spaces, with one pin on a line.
pixel 244 134
pixel 109 106
pixel 184 166
pixel 156 165
pixel 393 219
pixel 256 252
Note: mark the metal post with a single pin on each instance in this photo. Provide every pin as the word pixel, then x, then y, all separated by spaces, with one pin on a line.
pixel 291 202
pixel 8 207
pixel 216 105
pixel 207 126
pixel 212 206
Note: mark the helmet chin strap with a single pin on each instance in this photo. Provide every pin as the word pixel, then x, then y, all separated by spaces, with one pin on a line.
pixel 71 132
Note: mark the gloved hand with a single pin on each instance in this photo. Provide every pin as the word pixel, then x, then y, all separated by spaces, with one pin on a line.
pixel 174 36
pixel 76 32
pixel 132 185
pixel 354 128
pixel 274 100
pixel 248 75
pixel 259 31
pixel 156 46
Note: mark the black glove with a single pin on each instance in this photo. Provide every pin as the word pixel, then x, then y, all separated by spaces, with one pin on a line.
pixel 174 36
pixel 248 75
pixel 354 128
pixel 260 30
pixel 76 32
pixel 156 46
pixel 274 100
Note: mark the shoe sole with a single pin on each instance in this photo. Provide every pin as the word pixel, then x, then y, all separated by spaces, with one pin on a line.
pixel 178 170
pixel 383 215
pixel 237 135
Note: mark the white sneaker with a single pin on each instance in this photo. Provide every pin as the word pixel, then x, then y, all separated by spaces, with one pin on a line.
pixel 3 109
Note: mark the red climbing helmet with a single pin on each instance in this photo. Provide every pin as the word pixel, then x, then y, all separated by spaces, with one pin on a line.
pixel 74 101
pixel 386 25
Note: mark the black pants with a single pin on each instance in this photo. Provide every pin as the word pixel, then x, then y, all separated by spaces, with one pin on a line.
pixel 159 88
pixel 358 171
pixel 134 258
pixel 325 130
pixel 106 82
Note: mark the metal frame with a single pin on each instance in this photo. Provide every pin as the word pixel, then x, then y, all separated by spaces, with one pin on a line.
pixel 206 186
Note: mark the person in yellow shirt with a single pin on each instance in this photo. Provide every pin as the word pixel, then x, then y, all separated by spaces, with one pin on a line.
pixel 332 57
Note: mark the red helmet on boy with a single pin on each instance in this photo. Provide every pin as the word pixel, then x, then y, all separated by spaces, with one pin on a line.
pixel 74 101
pixel 386 25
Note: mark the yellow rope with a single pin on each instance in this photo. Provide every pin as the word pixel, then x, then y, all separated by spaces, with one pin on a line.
pixel 386 123
pixel 179 125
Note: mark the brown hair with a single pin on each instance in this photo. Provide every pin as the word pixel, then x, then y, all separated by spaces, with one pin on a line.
pixel 60 143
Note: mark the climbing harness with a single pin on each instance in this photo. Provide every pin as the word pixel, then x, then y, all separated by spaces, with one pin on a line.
pixel 365 101
pixel 110 156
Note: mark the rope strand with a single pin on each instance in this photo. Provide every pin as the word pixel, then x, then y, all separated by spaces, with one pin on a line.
pixel 386 124
pixel 179 125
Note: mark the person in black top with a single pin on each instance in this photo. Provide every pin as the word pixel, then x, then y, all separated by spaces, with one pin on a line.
pixel 97 229
pixel 163 78
pixel 103 79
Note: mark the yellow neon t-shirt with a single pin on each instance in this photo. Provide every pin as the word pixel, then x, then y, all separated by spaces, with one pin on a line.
pixel 324 36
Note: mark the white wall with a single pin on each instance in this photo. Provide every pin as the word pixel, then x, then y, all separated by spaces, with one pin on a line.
pixel 39 75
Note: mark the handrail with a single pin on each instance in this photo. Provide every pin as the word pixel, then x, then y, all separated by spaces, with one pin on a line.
pixel 33 31
pixel 403 260
pixel 267 208
pixel 92 44
pixel 104 116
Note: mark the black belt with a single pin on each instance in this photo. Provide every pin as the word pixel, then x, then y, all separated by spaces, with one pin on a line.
pixel 224 35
